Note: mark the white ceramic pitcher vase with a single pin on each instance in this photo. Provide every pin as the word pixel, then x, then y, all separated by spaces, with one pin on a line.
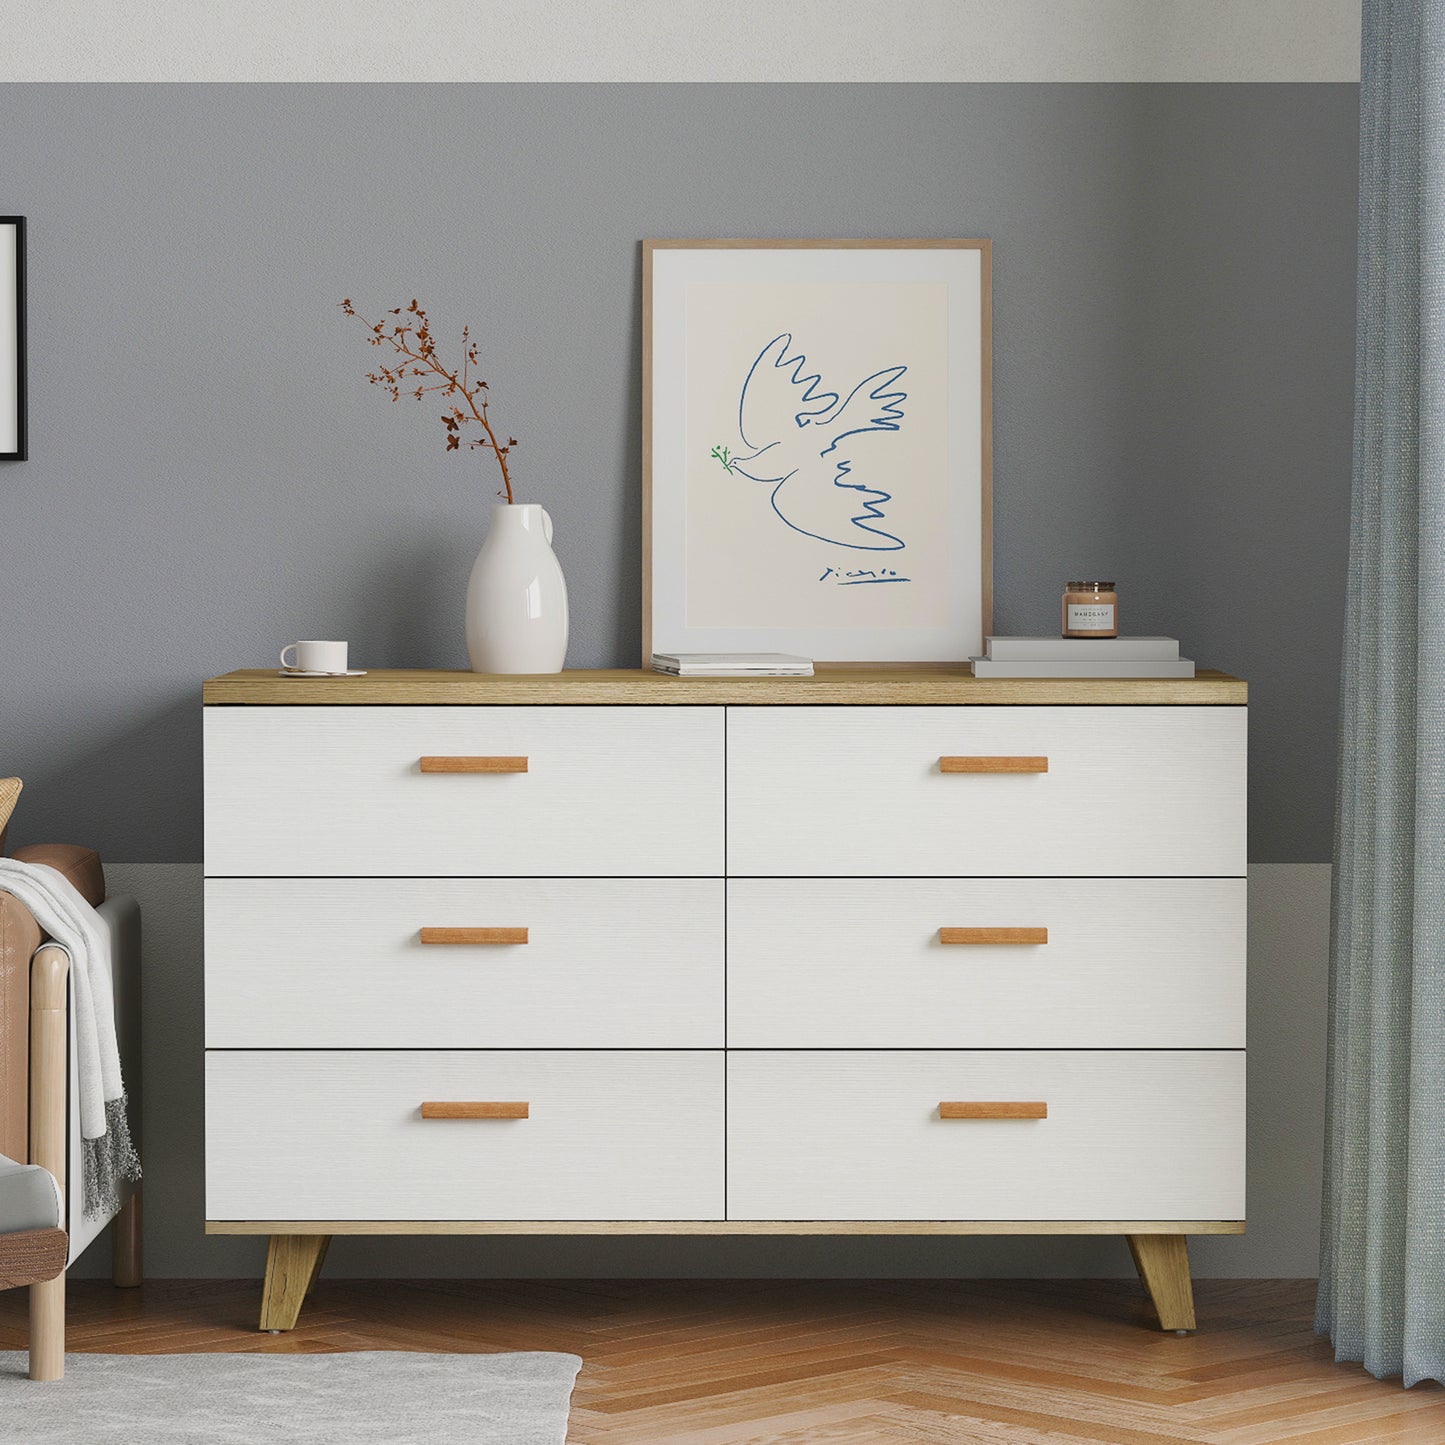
pixel 517 596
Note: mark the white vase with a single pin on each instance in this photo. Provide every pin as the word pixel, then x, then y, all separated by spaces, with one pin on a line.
pixel 517 597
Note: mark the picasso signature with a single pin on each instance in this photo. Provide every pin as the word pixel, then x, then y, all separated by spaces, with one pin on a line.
pixel 860 576
pixel 823 452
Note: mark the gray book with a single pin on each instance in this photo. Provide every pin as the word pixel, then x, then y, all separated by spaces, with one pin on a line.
pixel 1037 649
pixel 1081 667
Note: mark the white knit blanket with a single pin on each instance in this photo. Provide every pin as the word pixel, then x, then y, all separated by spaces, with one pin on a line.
pixel 72 923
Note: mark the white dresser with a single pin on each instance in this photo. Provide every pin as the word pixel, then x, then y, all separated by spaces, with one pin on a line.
pixel 867 953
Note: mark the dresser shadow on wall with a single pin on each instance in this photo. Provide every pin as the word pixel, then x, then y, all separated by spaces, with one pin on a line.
pixel 964 1258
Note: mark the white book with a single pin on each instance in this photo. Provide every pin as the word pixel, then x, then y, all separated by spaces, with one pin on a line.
pixel 1031 649
pixel 732 664
pixel 1081 667
pixel 735 672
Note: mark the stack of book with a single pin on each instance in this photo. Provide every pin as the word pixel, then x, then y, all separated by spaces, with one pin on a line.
pixel 731 664
pixel 1082 657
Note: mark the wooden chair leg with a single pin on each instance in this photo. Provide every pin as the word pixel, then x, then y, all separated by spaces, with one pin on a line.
pixel 1163 1264
pixel 293 1262
pixel 49 1083
pixel 127 1256
pixel 47 1329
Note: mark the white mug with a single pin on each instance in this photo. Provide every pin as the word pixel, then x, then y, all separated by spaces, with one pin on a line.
pixel 315 657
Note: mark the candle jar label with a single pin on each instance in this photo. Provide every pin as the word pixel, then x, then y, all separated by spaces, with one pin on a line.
pixel 1095 617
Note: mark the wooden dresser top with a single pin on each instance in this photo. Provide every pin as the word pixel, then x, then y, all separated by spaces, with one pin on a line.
pixel 936 686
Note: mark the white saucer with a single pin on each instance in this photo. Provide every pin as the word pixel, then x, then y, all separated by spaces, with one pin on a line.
pixel 296 672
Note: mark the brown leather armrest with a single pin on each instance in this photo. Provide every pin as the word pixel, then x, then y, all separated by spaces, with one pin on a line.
pixel 19 938
pixel 80 865
pixel 32 1256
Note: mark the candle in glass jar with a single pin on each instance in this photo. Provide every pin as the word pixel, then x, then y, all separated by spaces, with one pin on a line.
pixel 1091 609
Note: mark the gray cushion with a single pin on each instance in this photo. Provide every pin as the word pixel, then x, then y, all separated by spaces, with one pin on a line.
pixel 29 1197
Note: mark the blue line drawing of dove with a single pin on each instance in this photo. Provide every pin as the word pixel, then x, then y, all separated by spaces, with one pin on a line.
pixel 813 446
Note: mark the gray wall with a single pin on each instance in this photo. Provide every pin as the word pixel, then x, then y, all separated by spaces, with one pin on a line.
pixel 211 477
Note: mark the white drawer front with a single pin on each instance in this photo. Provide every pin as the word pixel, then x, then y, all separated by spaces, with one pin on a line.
pixel 1129 963
pixel 341 963
pixel 327 791
pixel 1153 791
pixel 340 1135
pixel 831 1135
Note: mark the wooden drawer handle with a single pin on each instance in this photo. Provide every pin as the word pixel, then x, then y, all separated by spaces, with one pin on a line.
pixel 1001 1110
pixel 474 935
pixel 474 765
pixel 483 1109
pixel 993 935
pixel 993 765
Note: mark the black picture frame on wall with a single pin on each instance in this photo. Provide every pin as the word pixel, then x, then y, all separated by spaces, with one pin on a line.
pixel 13 438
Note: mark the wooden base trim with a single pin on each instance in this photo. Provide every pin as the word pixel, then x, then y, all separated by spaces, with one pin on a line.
pixel 1163 1264
pixel 292 1265
pixel 328 1227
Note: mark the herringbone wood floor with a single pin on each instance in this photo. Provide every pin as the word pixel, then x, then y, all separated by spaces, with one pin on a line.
pixel 780 1363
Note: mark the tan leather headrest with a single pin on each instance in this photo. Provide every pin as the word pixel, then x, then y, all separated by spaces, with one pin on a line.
pixel 80 865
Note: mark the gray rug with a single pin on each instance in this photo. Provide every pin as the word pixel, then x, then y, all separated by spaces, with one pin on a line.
pixel 384 1395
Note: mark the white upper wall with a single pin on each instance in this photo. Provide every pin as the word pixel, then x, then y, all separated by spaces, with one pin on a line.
pixel 689 40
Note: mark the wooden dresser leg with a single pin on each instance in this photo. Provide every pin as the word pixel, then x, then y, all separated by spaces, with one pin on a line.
pixel 127 1267
pixel 292 1264
pixel 47 1329
pixel 1163 1264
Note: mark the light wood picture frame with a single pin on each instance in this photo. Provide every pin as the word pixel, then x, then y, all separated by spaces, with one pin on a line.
pixel 817 448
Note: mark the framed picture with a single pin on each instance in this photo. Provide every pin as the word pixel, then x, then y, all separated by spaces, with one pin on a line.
pixel 816 448
pixel 12 338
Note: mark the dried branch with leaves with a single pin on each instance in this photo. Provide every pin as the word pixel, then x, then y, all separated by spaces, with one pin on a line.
pixel 420 371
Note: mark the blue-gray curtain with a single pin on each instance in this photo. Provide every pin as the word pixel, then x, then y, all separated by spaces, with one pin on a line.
pixel 1382 1265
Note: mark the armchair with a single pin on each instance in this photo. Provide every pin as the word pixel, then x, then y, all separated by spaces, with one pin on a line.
pixel 43 1225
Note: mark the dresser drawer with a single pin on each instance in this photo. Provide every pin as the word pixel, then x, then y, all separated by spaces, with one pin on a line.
pixel 1152 791
pixel 606 791
pixel 341 1135
pixel 833 1135
pixel 496 963
pixel 923 963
